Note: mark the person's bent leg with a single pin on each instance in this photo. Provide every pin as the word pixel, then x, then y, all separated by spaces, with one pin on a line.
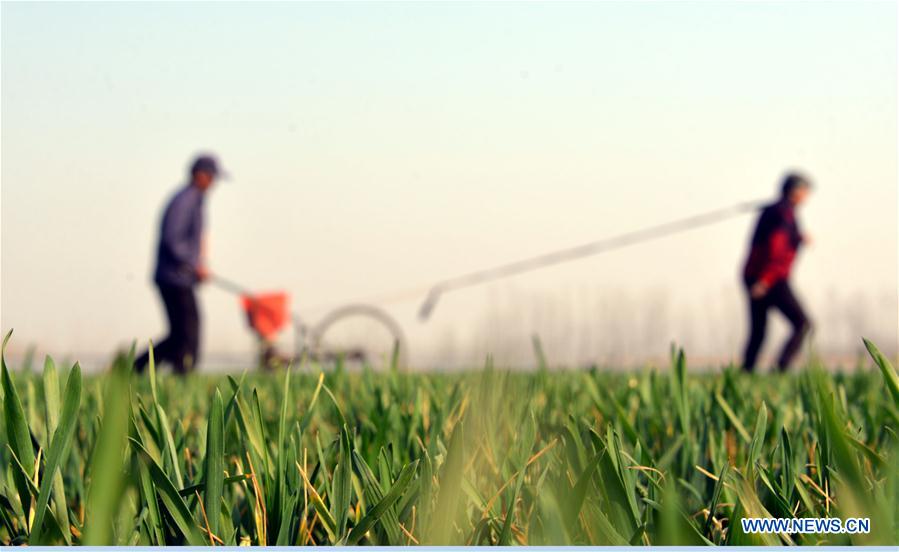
pixel 163 351
pixel 174 345
pixel 190 345
pixel 758 321
pixel 787 303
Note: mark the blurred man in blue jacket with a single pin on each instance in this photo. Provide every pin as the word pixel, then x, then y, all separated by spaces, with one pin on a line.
pixel 180 266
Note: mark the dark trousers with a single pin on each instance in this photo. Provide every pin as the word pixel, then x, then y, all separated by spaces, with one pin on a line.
pixel 780 297
pixel 181 347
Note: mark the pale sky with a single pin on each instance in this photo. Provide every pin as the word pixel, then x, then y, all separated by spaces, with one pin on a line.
pixel 379 146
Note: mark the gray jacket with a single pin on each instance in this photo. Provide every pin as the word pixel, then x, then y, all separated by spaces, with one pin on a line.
pixel 179 239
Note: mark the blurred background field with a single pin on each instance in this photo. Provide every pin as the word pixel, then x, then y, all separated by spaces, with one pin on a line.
pixel 379 146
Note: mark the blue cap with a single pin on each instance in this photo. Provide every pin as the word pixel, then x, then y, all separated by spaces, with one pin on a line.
pixel 207 163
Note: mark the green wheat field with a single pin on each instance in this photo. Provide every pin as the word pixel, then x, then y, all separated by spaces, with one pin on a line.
pixel 325 455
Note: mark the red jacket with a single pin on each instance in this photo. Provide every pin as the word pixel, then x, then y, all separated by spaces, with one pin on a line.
pixel 774 245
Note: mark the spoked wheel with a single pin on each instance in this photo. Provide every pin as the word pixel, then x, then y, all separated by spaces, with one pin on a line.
pixel 358 333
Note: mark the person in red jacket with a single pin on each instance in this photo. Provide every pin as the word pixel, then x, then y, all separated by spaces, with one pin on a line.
pixel 767 271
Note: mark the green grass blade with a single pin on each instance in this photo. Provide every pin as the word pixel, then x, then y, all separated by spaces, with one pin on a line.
pixel 890 378
pixel 51 397
pixel 788 467
pixel 575 501
pixel 758 439
pixel 151 368
pixel 382 507
pixel 281 475
pixel 191 490
pixel 214 464
pixel 449 498
pixel 505 537
pixel 287 521
pixel 16 467
pixel 716 498
pixel 734 420
pixel 156 527
pixel 162 423
pixel 307 417
pixel 172 501
pixel 374 493
pixel 20 468
pixel 318 504
pixel 17 430
pixel 107 468
pixel 59 449
pixel 51 407
pixel 341 485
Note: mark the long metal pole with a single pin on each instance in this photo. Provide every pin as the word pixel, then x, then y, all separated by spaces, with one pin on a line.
pixel 583 250
pixel 228 285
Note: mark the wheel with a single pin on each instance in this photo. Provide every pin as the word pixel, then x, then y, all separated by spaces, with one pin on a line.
pixel 358 333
